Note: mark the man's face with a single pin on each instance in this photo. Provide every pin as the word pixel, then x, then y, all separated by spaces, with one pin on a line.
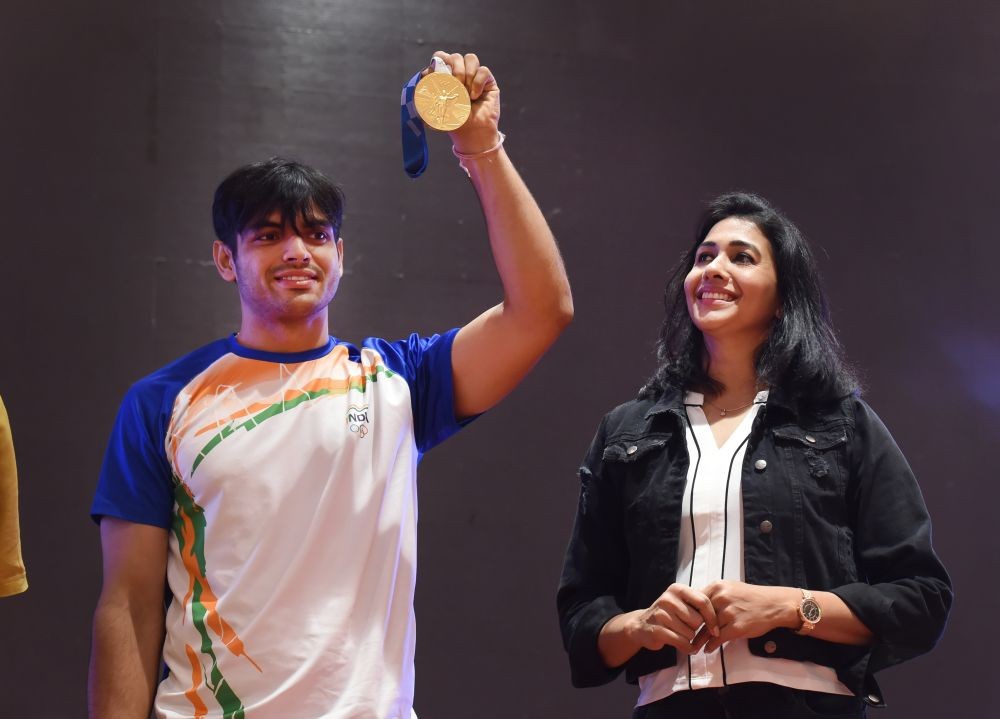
pixel 284 272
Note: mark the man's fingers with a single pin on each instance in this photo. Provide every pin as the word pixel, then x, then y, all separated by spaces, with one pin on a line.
pixel 470 66
pixel 457 64
pixel 467 70
pixel 482 81
pixel 441 55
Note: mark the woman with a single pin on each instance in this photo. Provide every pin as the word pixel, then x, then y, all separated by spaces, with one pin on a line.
pixel 750 542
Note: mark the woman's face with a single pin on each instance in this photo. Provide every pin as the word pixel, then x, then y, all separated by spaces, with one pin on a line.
pixel 732 288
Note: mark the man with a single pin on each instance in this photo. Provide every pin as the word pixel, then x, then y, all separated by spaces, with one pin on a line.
pixel 270 476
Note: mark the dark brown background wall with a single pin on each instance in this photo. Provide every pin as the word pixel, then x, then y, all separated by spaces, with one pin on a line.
pixel 874 125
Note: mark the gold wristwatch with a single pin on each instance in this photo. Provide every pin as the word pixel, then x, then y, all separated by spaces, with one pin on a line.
pixel 809 612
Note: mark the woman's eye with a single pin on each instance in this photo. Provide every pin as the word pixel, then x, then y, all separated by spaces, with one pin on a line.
pixel 743 258
pixel 704 257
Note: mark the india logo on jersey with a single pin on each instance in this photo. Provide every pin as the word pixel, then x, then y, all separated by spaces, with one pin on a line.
pixel 357 419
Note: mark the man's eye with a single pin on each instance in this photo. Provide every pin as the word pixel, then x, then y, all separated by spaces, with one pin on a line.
pixel 266 237
pixel 320 236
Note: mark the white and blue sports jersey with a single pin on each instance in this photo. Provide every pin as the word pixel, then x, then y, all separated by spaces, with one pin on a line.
pixel 288 484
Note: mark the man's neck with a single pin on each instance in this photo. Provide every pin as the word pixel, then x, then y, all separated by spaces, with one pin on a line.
pixel 299 335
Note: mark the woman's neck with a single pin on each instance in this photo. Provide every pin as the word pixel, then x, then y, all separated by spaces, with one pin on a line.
pixel 733 366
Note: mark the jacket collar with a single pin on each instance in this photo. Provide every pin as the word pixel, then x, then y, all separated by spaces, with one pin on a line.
pixel 672 401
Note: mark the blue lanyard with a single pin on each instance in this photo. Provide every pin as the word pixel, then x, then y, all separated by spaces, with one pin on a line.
pixel 414 135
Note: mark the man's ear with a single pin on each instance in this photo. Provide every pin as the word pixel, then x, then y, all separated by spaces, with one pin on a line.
pixel 225 263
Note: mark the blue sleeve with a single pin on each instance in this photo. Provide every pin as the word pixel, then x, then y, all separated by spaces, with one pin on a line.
pixel 135 482
pixel 425 362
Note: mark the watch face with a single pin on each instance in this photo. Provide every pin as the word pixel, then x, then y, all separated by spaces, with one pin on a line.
pixel 810 610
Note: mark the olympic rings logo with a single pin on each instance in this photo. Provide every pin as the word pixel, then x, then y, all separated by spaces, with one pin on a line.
pixel 357 419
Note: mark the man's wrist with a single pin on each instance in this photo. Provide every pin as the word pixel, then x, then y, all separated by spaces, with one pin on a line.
pixel 475 143
pixel 488 153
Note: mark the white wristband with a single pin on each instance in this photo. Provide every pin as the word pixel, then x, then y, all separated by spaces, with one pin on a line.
pixel 463 156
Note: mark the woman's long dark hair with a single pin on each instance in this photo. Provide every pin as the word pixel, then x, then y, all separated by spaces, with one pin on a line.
pixel 801 355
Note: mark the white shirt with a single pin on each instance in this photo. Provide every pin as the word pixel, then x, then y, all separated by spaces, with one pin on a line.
pixel 288 482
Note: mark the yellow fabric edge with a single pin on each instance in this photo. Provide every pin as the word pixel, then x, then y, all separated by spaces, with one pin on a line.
pixel 14 586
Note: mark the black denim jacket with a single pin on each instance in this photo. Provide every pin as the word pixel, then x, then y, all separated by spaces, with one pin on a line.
pixel 829 504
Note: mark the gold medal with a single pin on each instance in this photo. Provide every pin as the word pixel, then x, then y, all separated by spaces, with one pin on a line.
pixel 442 101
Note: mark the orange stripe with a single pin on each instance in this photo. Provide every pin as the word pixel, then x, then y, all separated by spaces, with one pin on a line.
pixel 335 386
pixel 240 372
pixel 230 371
pixel 213 619
pixel 233 371
pixel 200 709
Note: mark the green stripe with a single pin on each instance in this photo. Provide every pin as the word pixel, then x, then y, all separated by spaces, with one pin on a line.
pixel 231 704
pixel 232 707
pixel 278 407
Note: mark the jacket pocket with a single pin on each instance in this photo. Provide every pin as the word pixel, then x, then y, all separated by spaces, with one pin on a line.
pixel 819 451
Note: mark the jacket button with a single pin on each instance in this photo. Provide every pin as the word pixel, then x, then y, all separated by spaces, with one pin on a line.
pixel 760 465
pixel 632 449
pixel 766 526
pixel 810 439
pixel 770 647
pixel 874 699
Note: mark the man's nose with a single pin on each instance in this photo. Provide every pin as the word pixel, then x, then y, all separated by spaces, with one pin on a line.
pixel 296 249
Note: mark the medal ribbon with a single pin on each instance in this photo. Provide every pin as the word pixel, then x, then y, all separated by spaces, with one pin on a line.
pixel 414 135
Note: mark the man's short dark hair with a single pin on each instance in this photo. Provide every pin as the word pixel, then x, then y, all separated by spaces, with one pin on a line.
pixel 256 190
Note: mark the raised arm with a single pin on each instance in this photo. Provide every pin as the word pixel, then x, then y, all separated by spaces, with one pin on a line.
pixel 128 621
pixel 494 352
